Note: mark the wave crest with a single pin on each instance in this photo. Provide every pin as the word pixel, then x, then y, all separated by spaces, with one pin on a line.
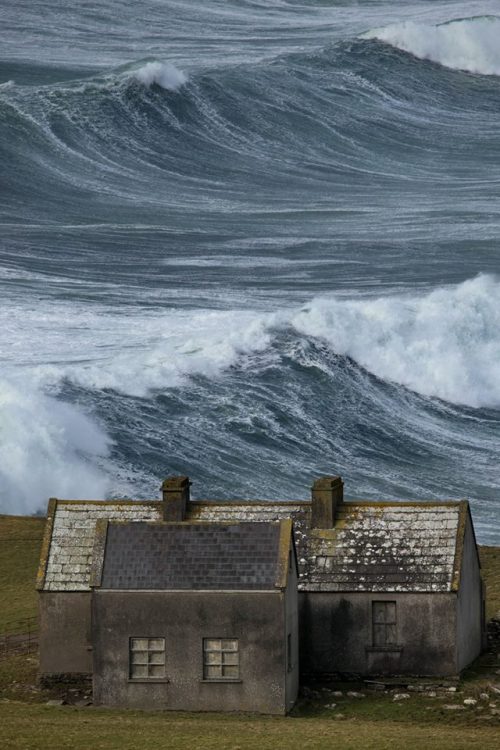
pixel 165 75
pixel 444 344
pixel 470 44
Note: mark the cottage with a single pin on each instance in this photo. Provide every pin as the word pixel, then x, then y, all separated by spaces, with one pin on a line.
pixel 383 587
pixel 195 616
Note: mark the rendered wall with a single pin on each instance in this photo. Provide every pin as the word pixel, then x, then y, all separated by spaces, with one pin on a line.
pixel 336 635
pixel 257 619
pixel 65 646
pixel 292 628
pixel 469 603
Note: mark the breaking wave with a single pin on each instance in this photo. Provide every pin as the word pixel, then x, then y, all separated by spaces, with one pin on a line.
pixel 165 75
pixel 47 448
pixel 470 44
pixel 444 344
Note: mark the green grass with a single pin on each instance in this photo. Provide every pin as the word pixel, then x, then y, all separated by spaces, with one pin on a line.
pixel 20 540
pixel 375 722
pixel 490 563
pixel 37 727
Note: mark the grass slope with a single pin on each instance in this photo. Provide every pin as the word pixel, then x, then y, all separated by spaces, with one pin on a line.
pixel 20 540
pixel 46 728
pixel 375 722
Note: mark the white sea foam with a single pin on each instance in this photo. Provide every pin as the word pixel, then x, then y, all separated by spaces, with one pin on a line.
pixel 132 351
pixel 165 75
pixel 471 44
pixel 445 343
pixel 47 448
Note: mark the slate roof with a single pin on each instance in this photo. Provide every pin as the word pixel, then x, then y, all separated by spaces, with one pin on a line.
pixel 192 556
pixel 66 555
pixel 391 547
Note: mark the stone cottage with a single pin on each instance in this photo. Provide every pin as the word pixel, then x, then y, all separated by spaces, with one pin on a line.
pixel 195 616
pixel 383 587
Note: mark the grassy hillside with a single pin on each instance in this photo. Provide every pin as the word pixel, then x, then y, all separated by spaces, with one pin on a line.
pixel 20 540
pixel 490 563
pixel 375 722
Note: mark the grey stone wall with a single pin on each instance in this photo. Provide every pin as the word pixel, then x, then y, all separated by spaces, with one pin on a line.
pixel 469 603
pixel 292 628
pixel 257 619
pixel 65 646
pixel 336 635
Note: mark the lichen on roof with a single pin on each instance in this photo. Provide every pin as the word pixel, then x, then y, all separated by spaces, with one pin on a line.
pixel 392 547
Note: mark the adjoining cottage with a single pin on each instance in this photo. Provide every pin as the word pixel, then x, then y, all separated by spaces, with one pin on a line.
pixel 383 588
pixel 195 616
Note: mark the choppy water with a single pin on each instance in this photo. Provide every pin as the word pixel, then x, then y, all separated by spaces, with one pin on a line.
pixel 252 242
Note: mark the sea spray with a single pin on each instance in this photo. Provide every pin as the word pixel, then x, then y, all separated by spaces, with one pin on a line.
pixel 47 448
pixel 470 44
pixel 445 343
pixel 165 75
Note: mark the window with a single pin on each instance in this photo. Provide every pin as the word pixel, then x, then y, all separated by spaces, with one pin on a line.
pixel 221 659
pixel 384 623
pixel 147 658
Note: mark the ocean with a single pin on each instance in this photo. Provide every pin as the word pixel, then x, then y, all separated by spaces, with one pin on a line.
pixel 254 242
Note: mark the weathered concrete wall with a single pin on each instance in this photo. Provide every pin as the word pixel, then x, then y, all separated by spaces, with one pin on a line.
pixel 292 629
pixel 257 619
pixel 65 633
pixel 336 634
pixel 469 603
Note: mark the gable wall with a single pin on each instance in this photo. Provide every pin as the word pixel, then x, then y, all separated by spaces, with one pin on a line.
pixel 469 603
pixel 292 627
pixel 64 635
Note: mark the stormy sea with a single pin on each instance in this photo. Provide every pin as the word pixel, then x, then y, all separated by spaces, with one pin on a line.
pixel 251 241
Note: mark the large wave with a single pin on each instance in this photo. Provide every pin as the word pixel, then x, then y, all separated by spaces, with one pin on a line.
pixel 445 343
pixel 470 44
pixel 47 448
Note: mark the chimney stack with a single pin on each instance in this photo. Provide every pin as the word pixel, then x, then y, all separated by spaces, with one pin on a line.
pixel 175 492
pixel 327 495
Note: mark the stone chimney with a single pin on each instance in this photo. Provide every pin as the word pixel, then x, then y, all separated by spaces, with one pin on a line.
pixel 175 491
pixel 327 495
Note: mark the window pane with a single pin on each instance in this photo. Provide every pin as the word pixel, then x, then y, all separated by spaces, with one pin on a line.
pixel 390 612
pixel 157 657
pixel 230 672
pixel 139 657
pixel 211 644
pixel 137 670
pixel 229 644
pixel 231 657
pixel 213 657
pixel 139 644
pixel 212 672
pixel 390 634
pixel 156 644
pixel 379 611
pixel 156 670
